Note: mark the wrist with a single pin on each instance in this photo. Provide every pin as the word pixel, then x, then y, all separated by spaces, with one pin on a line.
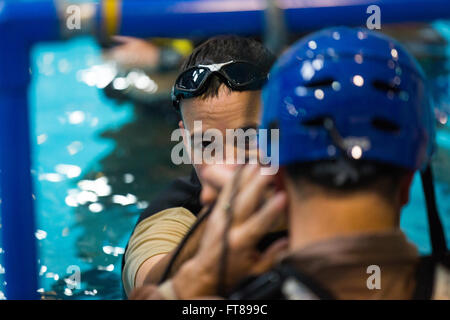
pixel 193 281
pixel 167 291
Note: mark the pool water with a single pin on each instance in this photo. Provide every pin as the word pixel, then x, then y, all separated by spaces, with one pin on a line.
pixel 97 164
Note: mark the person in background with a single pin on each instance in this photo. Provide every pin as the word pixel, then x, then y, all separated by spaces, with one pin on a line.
pixel 147 55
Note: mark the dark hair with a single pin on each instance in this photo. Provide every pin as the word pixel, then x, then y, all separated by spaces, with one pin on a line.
pixel 225 48
pixel 343 176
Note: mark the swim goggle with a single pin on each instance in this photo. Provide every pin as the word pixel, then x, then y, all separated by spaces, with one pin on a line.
pixel 237 75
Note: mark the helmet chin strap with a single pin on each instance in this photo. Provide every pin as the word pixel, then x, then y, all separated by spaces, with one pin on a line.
pixel 437 236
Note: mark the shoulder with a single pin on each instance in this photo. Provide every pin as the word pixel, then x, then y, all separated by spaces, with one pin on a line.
pixel 181 199
pixel 166 219
pixel 182 192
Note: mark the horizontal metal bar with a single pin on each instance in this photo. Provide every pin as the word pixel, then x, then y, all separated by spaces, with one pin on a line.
pixel 209 17
pixel 41 21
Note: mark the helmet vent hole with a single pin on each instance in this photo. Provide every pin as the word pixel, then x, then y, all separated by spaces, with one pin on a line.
pixel 274 125
pixel 320 83
pixel 385 87
pixel 385 125
pixel 315 122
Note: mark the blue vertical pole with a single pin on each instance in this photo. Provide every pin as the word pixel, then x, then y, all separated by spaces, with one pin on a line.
pixel 20 25
pixel 18 225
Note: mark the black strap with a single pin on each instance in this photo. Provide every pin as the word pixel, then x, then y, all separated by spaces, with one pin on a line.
pixel 424 278
pixel 322 293
pixel 425 275
pixel 269 285
pixel 264 287
pixel 437 237
pixel 182 244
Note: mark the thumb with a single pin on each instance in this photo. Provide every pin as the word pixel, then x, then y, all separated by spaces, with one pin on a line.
pixel 270 256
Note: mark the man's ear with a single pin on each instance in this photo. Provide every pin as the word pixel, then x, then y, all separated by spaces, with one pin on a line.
pixel 405 186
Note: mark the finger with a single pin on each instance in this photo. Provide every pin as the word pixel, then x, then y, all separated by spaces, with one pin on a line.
pixel 122 39
pixel 269 257
pixel 218 218
pixel 222 203
pixel 209 194
pixel 263 220
pixel 143 292
pixel 214 178
pixel 251 195
pixel 249 171
pixel 226 193
pixel 275 249
pixel 218 175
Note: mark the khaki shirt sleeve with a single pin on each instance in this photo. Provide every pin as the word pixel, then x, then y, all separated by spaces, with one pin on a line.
pixel 157 234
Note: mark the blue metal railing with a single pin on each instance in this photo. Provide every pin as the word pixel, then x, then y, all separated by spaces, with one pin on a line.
pixel 23 24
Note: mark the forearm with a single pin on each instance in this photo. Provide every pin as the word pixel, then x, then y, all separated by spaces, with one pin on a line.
pixel 154 274
pixel 191 282
pixel 151 240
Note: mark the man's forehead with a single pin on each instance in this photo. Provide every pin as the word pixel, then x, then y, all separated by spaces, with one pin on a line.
pixel 244 127
pixel 235 109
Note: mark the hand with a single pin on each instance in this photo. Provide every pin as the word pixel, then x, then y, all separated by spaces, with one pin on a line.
pixel 147 292
pixel 214 178
pixel 133 53
pixel 151 292
pixel 254 214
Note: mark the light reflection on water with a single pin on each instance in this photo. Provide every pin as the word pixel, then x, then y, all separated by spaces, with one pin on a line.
pixel 69 120
pixel 97 164
pixel 89 184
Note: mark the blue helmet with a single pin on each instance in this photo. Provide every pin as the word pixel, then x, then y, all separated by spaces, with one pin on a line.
pixel 349 92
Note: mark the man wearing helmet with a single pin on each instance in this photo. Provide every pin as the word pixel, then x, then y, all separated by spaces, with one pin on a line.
pixel 355 125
